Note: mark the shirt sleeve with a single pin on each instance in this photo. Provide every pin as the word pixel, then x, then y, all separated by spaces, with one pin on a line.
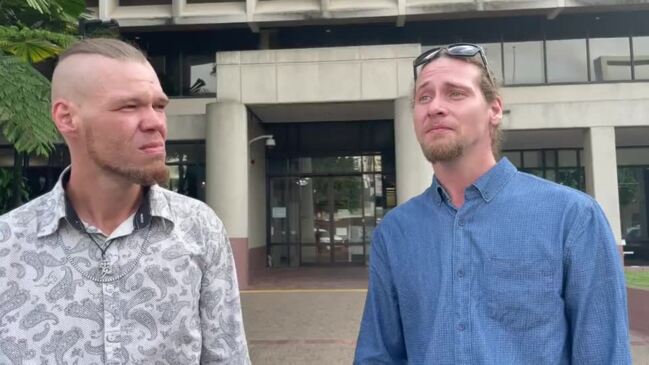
pixel 595 292
pixel 380 340
pixel 224 339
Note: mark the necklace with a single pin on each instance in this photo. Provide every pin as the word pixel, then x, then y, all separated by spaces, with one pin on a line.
pixel 104 266
pixel 104 273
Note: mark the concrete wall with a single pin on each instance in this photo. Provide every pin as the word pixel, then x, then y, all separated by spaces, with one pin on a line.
pixel 257 13
pixel 316 74
pixel 186 118
pixel 371 73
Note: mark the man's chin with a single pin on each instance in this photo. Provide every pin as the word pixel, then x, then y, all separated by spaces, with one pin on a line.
pixel 155 175
pixel 145 176
pixel 443 153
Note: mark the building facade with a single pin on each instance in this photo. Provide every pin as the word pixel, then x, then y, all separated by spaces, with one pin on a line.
pixel 330 81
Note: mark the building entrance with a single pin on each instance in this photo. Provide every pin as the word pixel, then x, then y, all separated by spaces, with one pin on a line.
pixel 323 208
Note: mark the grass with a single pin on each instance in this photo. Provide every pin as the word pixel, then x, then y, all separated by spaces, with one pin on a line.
pixel 637 279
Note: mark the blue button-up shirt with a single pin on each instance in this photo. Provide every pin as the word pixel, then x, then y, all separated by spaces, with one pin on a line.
pixel 525 272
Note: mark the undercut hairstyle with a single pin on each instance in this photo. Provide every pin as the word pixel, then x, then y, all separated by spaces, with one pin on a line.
pixel 106 47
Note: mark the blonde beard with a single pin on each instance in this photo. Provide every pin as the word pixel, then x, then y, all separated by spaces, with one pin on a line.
pixel 154 173
pixel 443 152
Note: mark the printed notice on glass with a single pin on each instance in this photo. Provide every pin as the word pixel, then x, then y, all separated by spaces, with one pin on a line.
pixel 279 212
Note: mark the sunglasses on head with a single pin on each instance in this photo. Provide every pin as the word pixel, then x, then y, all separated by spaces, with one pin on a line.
pixel 460 50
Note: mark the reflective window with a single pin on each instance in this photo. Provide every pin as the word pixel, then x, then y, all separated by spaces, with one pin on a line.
pixel 633 183
pixel 567 158
pixel 633 156
pixel 514 157
pixel 166 67
pixel 533 159
pixel 542 163
pixel 610 59
pixel 495 59
pixel 523 63
pixel 186 162
pixel 567 61
pixel 200 74
pixel 633 188
pixel 641 57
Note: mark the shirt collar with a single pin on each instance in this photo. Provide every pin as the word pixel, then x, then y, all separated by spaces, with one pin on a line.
pixel 153 205
pixel 488 185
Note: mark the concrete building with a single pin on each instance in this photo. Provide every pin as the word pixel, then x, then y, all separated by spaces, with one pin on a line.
pixel 330 81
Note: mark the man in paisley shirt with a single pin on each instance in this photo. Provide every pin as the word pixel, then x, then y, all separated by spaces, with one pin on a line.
pixel 108 267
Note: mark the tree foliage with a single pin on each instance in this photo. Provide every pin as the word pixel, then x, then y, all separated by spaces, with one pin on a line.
pixel 24 107
pixel 32 31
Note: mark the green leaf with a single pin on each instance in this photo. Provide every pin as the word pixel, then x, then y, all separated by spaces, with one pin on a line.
pixel 25 108
pixel 42 6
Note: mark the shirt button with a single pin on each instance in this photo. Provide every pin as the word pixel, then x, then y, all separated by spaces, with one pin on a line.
pixel 460 327
pixel 460 222
pixel 460 273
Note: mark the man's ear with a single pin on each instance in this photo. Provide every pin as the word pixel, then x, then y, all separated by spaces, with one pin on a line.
pixel 63 115
pixel 496 111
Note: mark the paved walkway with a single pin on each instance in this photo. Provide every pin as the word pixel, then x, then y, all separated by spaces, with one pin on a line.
pixel 289 322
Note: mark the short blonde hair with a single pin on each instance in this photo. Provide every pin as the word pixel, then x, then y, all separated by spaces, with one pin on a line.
pixel 107 47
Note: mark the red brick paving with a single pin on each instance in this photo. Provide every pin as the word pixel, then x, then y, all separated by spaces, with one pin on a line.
pixel 638 300
pixel 331 277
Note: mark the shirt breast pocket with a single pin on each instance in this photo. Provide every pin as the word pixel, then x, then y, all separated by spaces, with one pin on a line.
pixel 520 292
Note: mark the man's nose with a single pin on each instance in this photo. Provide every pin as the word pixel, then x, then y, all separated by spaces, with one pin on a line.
pixel 154 119
pixel 437 106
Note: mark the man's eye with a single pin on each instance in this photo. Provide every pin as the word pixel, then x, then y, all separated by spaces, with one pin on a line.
pixel 456 94
pixel 424 99
pixel 129 107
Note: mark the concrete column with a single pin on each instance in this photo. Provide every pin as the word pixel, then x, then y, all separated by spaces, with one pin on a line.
pixel 600 162
pixel 106 8
pixel 178 7
pixel 414 172
pixel 226 165
pixel 256 200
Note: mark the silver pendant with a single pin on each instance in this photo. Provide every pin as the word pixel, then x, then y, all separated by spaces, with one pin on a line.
pixel 104 266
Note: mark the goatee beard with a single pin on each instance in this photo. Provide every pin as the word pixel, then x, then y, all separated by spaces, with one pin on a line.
pixel 442 153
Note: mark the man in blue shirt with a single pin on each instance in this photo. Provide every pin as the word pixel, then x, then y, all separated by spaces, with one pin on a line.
pixel 489 265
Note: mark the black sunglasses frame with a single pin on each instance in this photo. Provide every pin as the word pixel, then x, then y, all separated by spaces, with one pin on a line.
pixel 452 50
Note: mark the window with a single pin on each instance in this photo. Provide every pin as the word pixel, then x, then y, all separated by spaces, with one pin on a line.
pixel 495 59
pixel 610 59
pixel 633 188
pixel 524 63
pixel 199 71
pixel 567 60
pixel 186 162
pixel 562 166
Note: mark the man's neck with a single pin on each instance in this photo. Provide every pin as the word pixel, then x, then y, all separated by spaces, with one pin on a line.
pixel 455 176
pixel 102 201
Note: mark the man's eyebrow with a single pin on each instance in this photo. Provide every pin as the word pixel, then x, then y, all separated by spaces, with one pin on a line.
pixel 456 85
pixel 126 100
pixel 422 85
pixel 447 84
pixel 162 100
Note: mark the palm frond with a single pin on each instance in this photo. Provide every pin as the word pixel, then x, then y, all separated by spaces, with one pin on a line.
pixel 24 107
pixel 33 45
pixel 41 6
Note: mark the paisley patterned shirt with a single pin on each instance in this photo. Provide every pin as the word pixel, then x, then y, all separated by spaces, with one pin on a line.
pixel 168 295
